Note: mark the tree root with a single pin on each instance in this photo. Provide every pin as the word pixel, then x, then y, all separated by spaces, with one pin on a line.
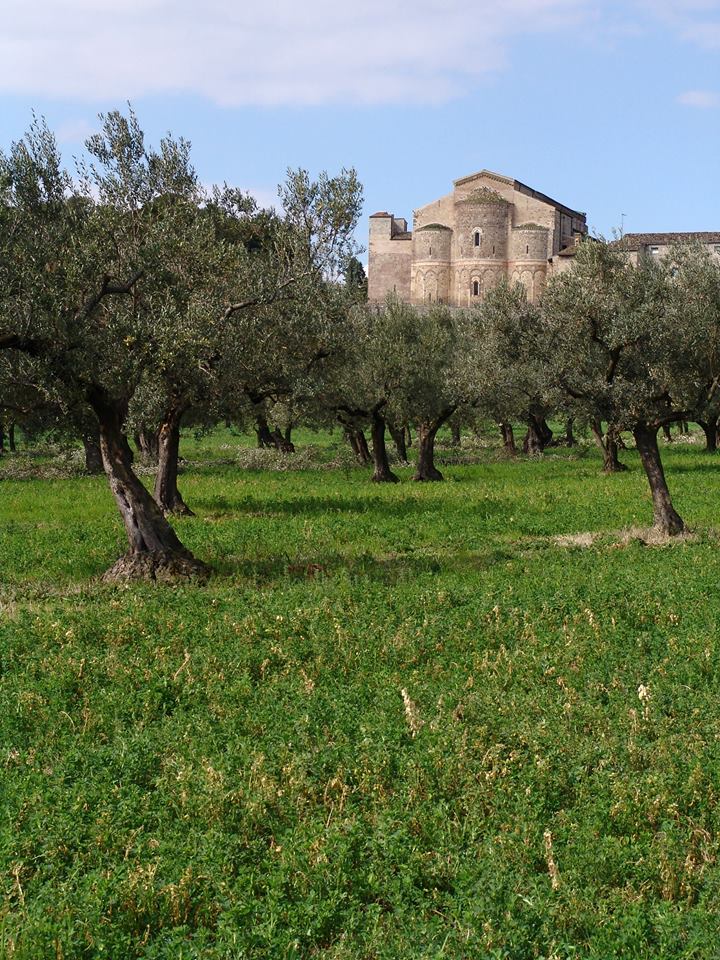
pixel 178 509
pixel 160 567
pixel 428 477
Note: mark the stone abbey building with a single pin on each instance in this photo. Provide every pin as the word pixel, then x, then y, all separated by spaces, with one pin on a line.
pixel 489 227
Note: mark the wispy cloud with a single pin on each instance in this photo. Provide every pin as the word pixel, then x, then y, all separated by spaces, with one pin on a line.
pixel 277 52
pixel 701 99
pixel 76 131
pixel 266 197
pixel 697 21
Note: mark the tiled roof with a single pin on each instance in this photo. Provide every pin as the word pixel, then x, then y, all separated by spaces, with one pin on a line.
pixel 633 241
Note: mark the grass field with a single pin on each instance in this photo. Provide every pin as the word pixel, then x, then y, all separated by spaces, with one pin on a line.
pixel 234 771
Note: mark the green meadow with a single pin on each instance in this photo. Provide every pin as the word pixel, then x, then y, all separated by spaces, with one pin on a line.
pixel 462 720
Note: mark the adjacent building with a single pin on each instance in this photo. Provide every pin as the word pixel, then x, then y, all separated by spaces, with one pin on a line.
pixel 660 244
pixel 490 226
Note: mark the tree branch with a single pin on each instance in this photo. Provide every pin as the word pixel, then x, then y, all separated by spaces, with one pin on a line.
pixel 13 341
pixel 259 300
pixel 107 288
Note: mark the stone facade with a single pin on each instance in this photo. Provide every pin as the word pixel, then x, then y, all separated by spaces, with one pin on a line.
pixel 489 227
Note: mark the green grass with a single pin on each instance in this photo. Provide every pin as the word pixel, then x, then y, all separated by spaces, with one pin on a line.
pixel 229 771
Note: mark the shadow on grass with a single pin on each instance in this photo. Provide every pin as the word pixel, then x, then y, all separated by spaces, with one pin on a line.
pixel 712 466
pixel 387 569
pixel 309 506
pixel 363 502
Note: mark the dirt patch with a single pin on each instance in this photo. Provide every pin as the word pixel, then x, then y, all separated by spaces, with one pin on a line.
pixel 575 540
pixel 650 537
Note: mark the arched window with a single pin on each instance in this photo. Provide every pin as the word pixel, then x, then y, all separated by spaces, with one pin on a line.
pixel 476 238
pixel 476 288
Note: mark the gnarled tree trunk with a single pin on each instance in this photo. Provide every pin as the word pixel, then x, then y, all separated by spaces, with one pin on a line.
pixel 356 438
pixel 398 436
pixel 666 518
pixel 710 429
pixel 167 494
pixel 426 469
pixel 570 440
pixel 532 444
pixel 362 446
pixel 426 433
pixel 455 438
pixel 538 435
pixel 11 437
pixel 609 447
pixel 93 454
pixel 155 552
pixel 382 472
pixel 262 431
pixel 506 431
pixel 148 443
pixel 281 442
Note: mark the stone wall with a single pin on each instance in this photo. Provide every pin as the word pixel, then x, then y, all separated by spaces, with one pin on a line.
pixel 491 219
pixel 389 258
pixel 430 273
pixel 529 243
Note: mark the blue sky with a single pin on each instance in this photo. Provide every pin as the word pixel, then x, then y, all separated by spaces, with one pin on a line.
pixel 612 108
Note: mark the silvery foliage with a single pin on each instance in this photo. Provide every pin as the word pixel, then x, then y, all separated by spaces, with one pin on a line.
pixel 409 362
pixel 633 343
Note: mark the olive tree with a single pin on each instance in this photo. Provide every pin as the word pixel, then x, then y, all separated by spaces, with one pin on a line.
pixel 507 366
pixel 635 345
pixel 86 272
pixel 416 363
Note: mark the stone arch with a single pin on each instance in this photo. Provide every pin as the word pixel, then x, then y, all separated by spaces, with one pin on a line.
pixel 526 279
pixel 538 284
pixel 490 280
pixel 430 287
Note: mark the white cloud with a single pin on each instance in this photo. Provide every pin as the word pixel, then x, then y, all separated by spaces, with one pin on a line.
pixel 702 99
pixel 276 52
